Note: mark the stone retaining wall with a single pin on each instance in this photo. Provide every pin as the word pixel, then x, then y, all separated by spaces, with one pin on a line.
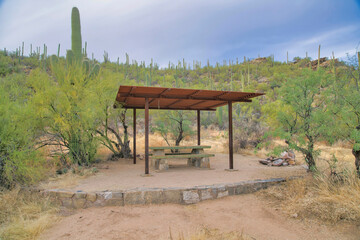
pixel 137 196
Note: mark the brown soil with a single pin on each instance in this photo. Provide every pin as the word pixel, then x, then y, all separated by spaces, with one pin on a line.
pixel 249 214
pixel 122 174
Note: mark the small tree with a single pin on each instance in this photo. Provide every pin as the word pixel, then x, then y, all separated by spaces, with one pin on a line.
pixel 173 126
pixel 303 118
pixel 112 121
pixel 112 126
pixel 346 106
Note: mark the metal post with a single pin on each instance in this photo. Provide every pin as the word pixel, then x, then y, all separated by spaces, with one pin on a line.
pixel 134 143
pixel 146 135
pixel 198 126
pixel 231 157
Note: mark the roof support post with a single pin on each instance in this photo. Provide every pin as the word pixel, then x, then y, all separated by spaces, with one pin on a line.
pixel 198 127
pixel 146 136
pixel 134 134
pixel 231 155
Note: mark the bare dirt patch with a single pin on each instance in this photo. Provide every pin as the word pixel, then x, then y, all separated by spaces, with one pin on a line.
pixel 123 175
pixel 249 214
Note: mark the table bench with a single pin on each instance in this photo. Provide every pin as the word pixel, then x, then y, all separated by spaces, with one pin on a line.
pixel 197 157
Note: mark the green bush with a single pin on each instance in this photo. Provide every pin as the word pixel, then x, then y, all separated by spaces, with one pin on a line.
pixel 67 107
pixel 19 162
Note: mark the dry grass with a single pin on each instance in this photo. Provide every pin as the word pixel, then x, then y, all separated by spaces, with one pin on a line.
pixel 69 179
pixel 24 215
pixel 212 234
pixel 329 199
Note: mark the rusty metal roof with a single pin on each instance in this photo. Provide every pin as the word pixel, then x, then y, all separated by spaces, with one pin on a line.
pixel 178 98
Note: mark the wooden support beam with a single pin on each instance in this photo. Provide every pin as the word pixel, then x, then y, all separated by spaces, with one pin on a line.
pixel 159 96
pixel 224 103
pixel 156 96
pixel 134 134
pixel 220 95
pixel 231 154
pixel 249 95
pixel 194 93
pixel 177 101
pixel 200 102
pixel 218 104
pixel 131 90
pixel 170 108
pixel 198 127
pixel 152 100
pixel 146 135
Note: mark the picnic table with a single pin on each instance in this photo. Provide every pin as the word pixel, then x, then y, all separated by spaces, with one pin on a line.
pixel 195 156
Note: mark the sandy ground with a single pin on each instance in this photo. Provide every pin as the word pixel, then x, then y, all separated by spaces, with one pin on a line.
pixel 250 214
pixel 122 174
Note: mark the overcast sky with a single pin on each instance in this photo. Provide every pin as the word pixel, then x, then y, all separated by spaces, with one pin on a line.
pixel 169 30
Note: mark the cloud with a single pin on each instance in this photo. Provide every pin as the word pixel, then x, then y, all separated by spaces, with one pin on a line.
pixel 341 41
pixel 171 30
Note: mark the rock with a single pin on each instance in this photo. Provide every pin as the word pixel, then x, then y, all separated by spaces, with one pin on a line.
pixel 222 194
pixel 295 215
pixel 67 202
pixel 91 197
pixel 258 60
pixel 231 188
pixel 106 195
pixel 79 202
pixel 134 197
pixel 80 195
pixel 117 199
pixel 64 194
pixel 172 196
pixel 114 202
pixel 277 162
pixel 191 196
pixel 206 194
pixel 153 196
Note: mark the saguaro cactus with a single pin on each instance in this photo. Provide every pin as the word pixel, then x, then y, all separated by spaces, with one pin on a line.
pixel 333 65
pixel 318 66
pixel 287 57
pixel 242 81
pixel 76 44
pixel 58 53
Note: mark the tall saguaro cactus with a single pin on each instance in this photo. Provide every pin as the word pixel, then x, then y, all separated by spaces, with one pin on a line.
pixel 318 65
pixel 76 44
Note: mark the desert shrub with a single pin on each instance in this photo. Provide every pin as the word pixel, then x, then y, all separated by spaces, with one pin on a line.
pixel 248 126
pixel 32 62
pixel 68 109
pixel 248 132
pixel 19 162
pixel 7 64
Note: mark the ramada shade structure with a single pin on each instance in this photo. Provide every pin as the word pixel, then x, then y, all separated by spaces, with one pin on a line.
pixel 138 97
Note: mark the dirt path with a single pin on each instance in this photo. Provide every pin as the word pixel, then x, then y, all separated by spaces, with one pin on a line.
pixel 245 213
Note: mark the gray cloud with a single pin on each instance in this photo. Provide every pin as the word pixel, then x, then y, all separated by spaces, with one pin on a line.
pixel 172 30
